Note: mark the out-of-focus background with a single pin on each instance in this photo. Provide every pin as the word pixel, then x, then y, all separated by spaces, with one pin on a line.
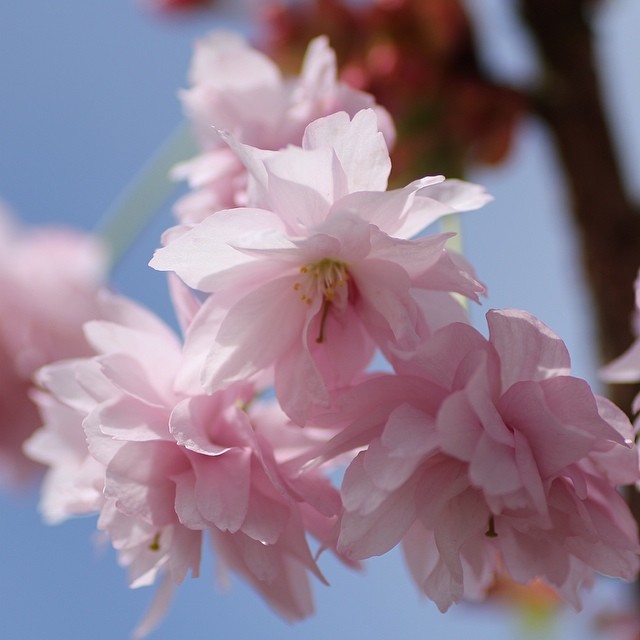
pixel 88 94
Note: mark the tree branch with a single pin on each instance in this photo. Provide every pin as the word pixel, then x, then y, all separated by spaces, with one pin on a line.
pixel 569 100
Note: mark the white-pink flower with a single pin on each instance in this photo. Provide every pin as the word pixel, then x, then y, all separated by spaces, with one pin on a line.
pixel 228 80
pixel 49 279
pixel 486 455
pixel 88 405
pixel 164 464
pixel 323 271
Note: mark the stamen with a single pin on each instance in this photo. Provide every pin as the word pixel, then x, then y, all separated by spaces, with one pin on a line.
pixel 324 278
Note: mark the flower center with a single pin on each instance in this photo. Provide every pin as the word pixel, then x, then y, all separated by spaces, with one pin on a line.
pixel 324 277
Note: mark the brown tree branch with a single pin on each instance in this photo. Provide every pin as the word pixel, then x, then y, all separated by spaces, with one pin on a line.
pixel 569 100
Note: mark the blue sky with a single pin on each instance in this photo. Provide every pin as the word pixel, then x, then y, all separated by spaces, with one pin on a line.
pixel 88 94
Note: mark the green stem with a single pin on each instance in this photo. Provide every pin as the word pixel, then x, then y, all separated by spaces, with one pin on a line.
pixel 452 224
pixel 135 207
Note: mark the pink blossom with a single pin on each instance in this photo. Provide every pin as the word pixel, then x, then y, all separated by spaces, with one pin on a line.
pixel 486 455
pixel 162 465
pixel 626 368
pixel 74 482
pixel 229 78
pixel 49 278
pixel 325 263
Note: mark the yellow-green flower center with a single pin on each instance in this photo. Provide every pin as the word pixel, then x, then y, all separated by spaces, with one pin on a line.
pixel 323 278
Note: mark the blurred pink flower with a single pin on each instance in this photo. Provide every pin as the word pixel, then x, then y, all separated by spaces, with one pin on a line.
pixel 419 58
pixel 49 278
pixel 240 90
pixel 178 6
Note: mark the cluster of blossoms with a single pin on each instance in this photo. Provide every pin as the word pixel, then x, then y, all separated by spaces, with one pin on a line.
pixel 481 456
pixel 240 90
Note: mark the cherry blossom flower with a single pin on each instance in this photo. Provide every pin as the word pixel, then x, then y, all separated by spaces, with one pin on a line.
pixel 91 467
pixel 325 263
pixel 49 278
pixel 486 456
pixel 162 465
pixel 229 78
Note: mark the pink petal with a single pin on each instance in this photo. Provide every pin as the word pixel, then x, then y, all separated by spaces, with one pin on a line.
pixel 410 432
pixel 359 146
pixel 528 349
pixel 463 521
pixel 414 256
pixel 186 506
pixel 137 379
pixel 440 356
pixel 530 474
pixel 138 478
pixel 346 348
pixel 493 468
pixel 529 556
pixel 190 425
pixel 388 473
pixel 205 258
pixel 244 346
pixel 459 427
pixel 299 384
pixel 185 303
pixel 304 183
pixel 280 579
pixel 225 58
pixel 222 488
pixel 388 310
pixel 359 494
pixel 61 379
pixel 374 534
pixel 573 401
pixel 126 418
pixel 442 479
pixel 398 213
pixel 457 194
pixel 554 442
pixel 268 511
